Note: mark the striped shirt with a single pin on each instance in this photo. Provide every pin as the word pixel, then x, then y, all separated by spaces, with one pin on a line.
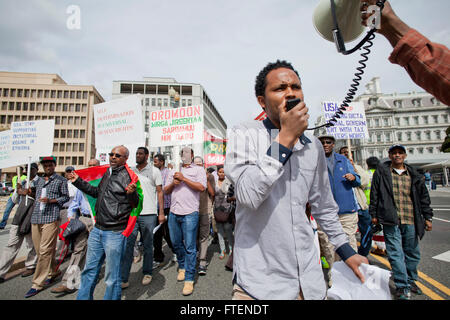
pixel 427 63
pixel 401 187
pixel 56 188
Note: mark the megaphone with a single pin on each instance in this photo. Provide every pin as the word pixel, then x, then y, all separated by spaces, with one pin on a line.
pixel 340 21
pixel 347 14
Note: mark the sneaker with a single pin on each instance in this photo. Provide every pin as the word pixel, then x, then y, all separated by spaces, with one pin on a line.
pixel 403 294
pixel 32 292
pixel 156 264
pixel 188 288
pixel 52 279
pixel 147 279
pixel 222 255
pixel 415 289
pixel 202 270
pixel 181 275
pixel 174 258
pixel 125 285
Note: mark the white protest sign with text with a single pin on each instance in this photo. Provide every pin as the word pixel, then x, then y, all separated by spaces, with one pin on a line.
pixel 176 126
pixel 351 125
pixel 119 122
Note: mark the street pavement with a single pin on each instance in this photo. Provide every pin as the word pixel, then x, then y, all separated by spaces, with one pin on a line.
pixel 217 284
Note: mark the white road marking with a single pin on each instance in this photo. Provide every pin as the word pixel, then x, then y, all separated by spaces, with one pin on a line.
pixel 443 256
pixel 440 219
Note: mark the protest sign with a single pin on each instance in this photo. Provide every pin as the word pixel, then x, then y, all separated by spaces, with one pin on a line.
pixel 214 150
pixel 26 142
pixel 176 126
pixel 119 122
pixel 351 125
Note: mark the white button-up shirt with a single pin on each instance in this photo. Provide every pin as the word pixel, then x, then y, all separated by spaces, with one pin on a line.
pixel 274 251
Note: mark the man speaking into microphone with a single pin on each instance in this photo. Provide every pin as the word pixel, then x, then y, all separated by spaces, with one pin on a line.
pixel 278 167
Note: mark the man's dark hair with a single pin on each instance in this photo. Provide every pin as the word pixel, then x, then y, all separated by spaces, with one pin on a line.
pixel 260 85
pixel 342 148
pixel 160 157
pixel 145 150
pixel 372 162
pixel 220 166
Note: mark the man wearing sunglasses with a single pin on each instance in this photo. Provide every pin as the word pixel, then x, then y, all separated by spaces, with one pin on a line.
pixel 116 198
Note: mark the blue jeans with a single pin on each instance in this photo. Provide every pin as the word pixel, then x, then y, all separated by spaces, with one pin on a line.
pixel 364 226
pixel 144 225
pixel 103 245
pixel 9 206
pixel 183 233
pixel 402 247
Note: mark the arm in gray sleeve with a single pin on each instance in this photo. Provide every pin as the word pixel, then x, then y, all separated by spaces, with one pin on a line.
pixel 248 166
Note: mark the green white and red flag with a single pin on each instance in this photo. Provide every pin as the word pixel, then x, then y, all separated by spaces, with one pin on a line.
pixel 93 175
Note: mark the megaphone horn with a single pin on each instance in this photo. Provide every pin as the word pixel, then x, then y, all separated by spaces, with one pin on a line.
pixel 348 16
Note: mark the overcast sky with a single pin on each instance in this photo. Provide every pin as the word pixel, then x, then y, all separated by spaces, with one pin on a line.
pixel 221 45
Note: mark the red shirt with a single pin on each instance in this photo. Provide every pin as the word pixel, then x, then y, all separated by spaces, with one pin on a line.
pixel 427 63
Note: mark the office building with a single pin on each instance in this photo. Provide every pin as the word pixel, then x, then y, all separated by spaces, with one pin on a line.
pixel 39 96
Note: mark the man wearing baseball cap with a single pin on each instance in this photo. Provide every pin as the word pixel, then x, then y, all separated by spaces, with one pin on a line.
pixel 51 194
pixel 399 200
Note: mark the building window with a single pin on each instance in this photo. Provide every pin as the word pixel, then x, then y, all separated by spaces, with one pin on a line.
pixel 82 134
pixel 445 118
pixel 69 147
pixel 438 134
pixel 75 147
pixel 186 90
pixel 153 102
pixel 75 134
pixel 61 161
pixel 147 102
pixel 411 151
pixel 418 135
pixel 159 102
pixel 19 93
pixel 63 134
pixel 5 92
pixel 425 119
pixel 388 136
pixel 166 102
pixel 47 94
pixel 68 161
pixel 416 120
pixel 406 121
pixel 416 102
pixel 430 150
pixel 81 147
pixel 72 94
pixel 435 119
pixel 408 136
pixel 78 94
pixel 378 137
pixel 427 135
pixel 81 161
pixel 85 95
pixel 377 123
pixel 62 147
pixel 13 93
pixel 66 94
pixel 420 150
pixel 60 94
pixel 189 102
pixel 54 94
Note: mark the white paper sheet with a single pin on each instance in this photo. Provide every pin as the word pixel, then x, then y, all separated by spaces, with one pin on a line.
pixel 346 286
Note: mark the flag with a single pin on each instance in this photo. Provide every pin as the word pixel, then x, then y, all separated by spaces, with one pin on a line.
pixel 93 175
pixel 214 150
pixel 262 116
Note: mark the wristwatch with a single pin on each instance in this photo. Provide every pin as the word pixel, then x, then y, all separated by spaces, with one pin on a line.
pixel 429 219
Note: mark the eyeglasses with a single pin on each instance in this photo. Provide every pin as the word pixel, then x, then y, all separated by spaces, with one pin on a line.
pixel 327 142
pixel 115 155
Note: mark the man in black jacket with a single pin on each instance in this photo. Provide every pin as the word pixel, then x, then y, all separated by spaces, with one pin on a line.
pixel 399 200
pixel 116 198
